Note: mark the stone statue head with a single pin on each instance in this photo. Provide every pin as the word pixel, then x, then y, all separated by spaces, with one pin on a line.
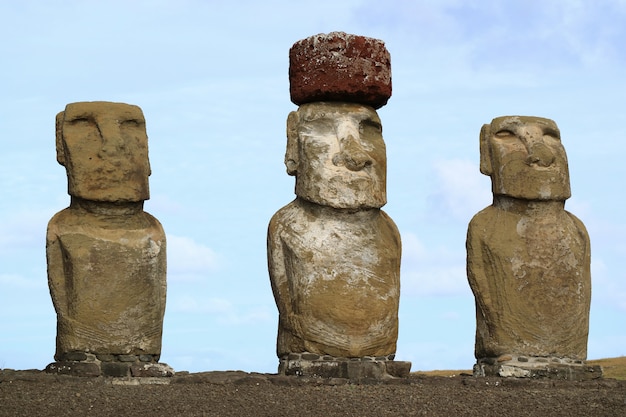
pixel 525 158
pixel 104 148
pixel 337 154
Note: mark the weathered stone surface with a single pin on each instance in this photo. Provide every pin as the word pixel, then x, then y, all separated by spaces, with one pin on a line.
pixel 148 370
pixel 310 356
pixel 74 356
pixel 104 148
pixel 115 369
pixel 106 256
pixel 525 158
pixel 544 368
pixel 528 260
pixel 334 256
pixel 340 67
pixel 85 369
pixel 359 371
pixel 337 153
pixel 398 369
pixel 325 369
pixel 354 369
pixel 117 366
pixel 342 268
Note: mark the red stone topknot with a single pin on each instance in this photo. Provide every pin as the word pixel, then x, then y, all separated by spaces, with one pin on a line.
pixel 340 67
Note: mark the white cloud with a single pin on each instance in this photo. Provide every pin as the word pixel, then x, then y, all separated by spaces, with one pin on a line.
pixel 432 272
pixel 194 305
pixel 188 260
pixel 24 228
pixel 221 310
pixel 426 356
pixel 608 284
pixel 162 203
pixel 435 280
pixel 255 315
pixel 460 190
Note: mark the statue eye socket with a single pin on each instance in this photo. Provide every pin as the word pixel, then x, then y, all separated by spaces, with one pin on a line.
pixel 552 134
pixel 81 121
pixel 504 133
pixel 370 127
pixel 131 123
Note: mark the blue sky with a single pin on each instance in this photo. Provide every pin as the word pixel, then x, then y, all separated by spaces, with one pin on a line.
pixel 211 78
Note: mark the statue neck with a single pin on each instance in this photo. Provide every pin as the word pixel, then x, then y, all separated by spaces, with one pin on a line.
pixel 106 208
pixel 323 211
pixel 528 207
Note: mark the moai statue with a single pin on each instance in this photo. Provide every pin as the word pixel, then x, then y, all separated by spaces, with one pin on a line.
pixel 106 256
pixel 528 260
pixel 333 254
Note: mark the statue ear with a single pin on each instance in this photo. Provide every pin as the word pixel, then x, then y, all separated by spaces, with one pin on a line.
pixel 291 155
pixel 485 151
pixel 60 146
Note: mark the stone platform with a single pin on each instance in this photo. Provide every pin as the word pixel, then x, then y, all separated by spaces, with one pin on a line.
pixel 90 365
pixel 354 369
pixel 537 367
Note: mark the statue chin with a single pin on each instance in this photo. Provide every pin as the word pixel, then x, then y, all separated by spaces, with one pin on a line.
pixel 360 195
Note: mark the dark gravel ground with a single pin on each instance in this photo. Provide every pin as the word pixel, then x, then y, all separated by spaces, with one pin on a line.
pixel 34 393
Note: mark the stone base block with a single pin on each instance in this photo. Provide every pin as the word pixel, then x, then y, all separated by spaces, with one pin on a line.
pixel 355 369
pixel 118 366
pixel 507 366
pixel 151 370
pixel 115 369
pixel 88 369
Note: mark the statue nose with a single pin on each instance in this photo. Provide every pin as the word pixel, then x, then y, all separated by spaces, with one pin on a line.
pixel 540 154
pixel 352 155
pixel 112 140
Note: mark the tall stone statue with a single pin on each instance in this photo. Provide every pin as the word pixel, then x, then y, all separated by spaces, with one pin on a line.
pixel 333 254
pixel 528 259
pixel 106 256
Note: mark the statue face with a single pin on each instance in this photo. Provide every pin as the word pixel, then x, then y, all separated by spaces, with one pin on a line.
pixel 337 152
pixel 525 158
pixel 104 148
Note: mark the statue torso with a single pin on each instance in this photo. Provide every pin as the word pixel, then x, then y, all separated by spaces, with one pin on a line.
pixel 343 276
pixel 531 277
pixel 108 280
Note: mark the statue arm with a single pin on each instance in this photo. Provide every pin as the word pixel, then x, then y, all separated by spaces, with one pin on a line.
pixel 582 230
pixel 278 268
pixel 158 235
pixel 393 236
pixel 56 270
pixel 476 263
